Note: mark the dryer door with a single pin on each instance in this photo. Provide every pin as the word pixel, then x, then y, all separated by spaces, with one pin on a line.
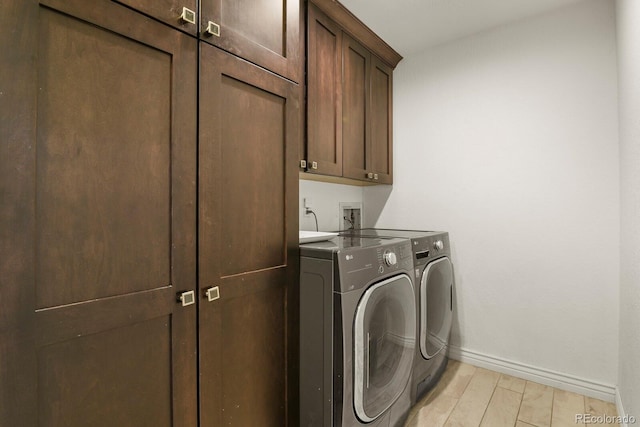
pixel 384 345
pixel 436 311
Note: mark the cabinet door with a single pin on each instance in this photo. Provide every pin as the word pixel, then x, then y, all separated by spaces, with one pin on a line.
pixel 97 220
pixel 355 109
pixel 170 12
pixel 265 32
pixel 324 95
pixel 248 227
pixel 381 122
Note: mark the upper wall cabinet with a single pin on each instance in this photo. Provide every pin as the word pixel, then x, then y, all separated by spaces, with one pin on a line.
pixel 324 103
pixel 266 33
pixel 349 106
pixel 356 72
pixel 379 151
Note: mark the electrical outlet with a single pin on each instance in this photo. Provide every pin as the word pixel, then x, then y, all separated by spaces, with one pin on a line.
pixel 307 205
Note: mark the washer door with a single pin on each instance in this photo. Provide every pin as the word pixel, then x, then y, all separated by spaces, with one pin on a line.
pixel 436 311
pixel 384 345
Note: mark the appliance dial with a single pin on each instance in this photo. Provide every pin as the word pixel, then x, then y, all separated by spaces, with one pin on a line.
pixel 390 258
pixel 438 245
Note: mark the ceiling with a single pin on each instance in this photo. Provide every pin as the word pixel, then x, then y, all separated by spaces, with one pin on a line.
pixel 410 26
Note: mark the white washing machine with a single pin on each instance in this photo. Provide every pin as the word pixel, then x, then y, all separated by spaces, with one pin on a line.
pixel 434 284
pixel 357 332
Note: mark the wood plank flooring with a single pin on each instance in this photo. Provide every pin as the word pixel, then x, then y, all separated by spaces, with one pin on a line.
pixel 468 396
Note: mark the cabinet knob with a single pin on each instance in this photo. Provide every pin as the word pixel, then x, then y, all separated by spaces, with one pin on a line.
pixel 187 298
pixel 188 16
pixel 212 29
pixel 212 293
pixel 314 165
pixel 375 176
pixel 370 175
pixel 303 164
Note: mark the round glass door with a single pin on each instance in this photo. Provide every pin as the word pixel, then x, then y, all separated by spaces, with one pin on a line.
pixel 384 345
pixel 436 313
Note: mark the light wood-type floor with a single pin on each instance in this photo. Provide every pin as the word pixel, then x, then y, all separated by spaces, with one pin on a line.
pixel 468 396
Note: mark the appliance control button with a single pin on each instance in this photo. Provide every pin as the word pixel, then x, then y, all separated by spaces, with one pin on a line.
pixel 438 245
pixel 390 258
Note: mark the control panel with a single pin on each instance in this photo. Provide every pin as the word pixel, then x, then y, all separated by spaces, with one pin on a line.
pixel 394 257
pixel 360 266
pixel 428 248
pixel 390 258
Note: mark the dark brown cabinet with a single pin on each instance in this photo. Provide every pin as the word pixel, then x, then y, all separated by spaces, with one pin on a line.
pixel 266 33
pixel 324 94
pixel 249 131
pixel 98 219
pixel 147 271
pixel 380 152
pixel 356 138
pixel 349 108
pixel 180 14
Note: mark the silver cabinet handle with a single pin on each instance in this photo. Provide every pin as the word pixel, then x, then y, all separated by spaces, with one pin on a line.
pixel 188 15
pixel 212 293
pixel 187 298
pixel 370 175
pixel 375 176
pixel 212 29
pixel 303 164
pixel 314 165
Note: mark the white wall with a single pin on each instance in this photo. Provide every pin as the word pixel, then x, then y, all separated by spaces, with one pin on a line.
pixel 628 20
pixel 509 141
pixel 326 200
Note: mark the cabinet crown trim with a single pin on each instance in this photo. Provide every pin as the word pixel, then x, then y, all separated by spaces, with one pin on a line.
pixel 356 28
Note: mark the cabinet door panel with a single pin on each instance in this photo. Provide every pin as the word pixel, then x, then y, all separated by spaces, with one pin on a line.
pixel 252 132
pixel 324 96
pixel 98 168
pixel 108 378
pixel 355 109
pixel 249 134
pixel 265 32
pixel 167 11
pixel 381 121
pixel 111 227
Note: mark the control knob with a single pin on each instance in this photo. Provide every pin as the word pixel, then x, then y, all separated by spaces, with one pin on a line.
pixel 438 245
pixel 390 258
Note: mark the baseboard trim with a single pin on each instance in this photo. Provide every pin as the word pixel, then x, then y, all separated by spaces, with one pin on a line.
pixel 621 412
pixel 566 382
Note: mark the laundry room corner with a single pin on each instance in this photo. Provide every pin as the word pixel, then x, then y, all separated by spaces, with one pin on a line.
pixel 508 139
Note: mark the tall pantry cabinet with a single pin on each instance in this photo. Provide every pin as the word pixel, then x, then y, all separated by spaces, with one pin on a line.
pixel 148 212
